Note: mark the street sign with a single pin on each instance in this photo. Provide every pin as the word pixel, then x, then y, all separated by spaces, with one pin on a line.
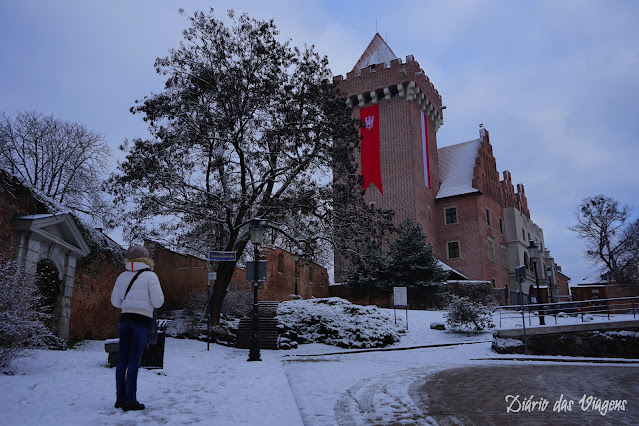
pixel 222 256
pixel 399 297
pixel 212 276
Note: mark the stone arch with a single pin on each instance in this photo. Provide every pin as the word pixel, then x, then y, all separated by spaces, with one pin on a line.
pixel 58 241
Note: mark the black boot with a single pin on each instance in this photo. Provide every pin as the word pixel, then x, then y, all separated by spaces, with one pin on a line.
pixel 136 406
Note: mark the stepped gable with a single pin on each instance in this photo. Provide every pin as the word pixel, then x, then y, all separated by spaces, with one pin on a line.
pixel 377 52
pixel 384 80
pixel 470 167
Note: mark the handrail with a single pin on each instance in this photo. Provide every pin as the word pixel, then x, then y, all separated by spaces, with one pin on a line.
pixel 591 306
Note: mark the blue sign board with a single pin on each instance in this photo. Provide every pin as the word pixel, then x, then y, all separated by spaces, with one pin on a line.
pixel 222 256
pixel 261 271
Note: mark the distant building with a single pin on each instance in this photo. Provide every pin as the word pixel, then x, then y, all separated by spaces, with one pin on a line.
pixel 478 224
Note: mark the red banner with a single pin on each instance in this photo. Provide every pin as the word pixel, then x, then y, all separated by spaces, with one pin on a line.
pixel 425 150
pixel 371 168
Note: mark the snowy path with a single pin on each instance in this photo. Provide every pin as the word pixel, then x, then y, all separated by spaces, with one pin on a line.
pixel 370 387
pixel 219 387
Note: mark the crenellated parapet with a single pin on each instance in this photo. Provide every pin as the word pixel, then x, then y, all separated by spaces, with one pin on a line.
pixel 382 82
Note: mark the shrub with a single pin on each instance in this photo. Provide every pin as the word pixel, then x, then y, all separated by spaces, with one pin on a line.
pixel 464 314
pixel 22 319
pixel 338 322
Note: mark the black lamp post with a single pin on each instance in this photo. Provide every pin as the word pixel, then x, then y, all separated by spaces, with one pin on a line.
pixel 296 258
pixel 549 274
pixel 257 236
pixel 533 253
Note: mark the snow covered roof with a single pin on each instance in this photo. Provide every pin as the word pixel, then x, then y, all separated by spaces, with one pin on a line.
pixel 456 164
pixel 448 268
pixel 377 52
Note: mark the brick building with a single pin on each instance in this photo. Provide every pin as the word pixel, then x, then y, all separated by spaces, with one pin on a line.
pixel 86 262
pixel 478 224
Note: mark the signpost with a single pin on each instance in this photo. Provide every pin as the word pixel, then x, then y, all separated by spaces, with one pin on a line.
pixel 400 300
pixel 214 256
pixel 520 276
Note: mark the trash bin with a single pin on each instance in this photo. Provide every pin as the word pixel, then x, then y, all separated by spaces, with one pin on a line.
pixel 153 355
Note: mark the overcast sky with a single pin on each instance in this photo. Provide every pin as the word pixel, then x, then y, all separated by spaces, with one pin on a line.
pixel 556 83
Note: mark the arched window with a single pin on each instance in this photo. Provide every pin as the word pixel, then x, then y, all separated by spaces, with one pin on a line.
pixel 526 261
pixel 280 263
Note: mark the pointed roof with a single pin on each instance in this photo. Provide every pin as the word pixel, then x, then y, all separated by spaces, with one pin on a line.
pixel 377 52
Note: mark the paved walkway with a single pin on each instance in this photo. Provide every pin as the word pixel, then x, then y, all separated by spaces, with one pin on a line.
pixel 531 394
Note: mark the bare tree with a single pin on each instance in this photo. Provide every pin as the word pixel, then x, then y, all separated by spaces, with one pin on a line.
pixel 245 127
pixel 65 161
pixel 611 241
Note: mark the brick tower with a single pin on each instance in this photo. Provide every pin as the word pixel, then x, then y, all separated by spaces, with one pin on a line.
pixel 403 111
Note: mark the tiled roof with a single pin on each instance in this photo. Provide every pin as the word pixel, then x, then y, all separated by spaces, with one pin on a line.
pixel 456 163
pixel 377 52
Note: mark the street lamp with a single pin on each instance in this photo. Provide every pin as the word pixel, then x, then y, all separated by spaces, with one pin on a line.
pixel 296 258
pixel 549 274
pixel 533 253
pixel 257 236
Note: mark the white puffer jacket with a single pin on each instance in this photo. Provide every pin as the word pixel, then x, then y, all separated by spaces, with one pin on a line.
pixel 145 293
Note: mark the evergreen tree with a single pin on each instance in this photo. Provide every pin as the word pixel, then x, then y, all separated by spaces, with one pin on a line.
pixel 411 264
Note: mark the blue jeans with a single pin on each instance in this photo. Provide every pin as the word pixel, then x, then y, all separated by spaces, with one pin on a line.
pixel 132 341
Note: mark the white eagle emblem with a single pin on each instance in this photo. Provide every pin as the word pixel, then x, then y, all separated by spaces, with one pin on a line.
pixel 370 122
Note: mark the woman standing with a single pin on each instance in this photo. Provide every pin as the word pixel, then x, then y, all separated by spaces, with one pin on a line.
pixel 137 292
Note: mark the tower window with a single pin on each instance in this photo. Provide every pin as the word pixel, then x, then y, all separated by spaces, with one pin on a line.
pixel 453 249
pixel 489 221
pixel 451 215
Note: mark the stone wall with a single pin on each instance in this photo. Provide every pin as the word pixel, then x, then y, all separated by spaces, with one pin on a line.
pixel 602 340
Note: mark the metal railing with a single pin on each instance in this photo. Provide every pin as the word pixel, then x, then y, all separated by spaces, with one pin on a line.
pixel 602 307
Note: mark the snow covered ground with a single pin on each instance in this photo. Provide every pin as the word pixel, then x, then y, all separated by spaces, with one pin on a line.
pixel 315 384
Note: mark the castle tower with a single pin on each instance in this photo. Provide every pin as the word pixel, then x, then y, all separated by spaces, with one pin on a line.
pixel 402 112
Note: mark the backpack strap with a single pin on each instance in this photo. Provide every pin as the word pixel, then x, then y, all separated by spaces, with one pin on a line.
pixel 134 278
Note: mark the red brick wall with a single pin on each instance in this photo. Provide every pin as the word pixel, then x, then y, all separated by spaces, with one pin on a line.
pixel 180 275
pixel 280 277
pixel 92 315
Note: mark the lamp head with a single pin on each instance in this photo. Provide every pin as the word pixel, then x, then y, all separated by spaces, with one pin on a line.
pixel 257 232
pixel 533 252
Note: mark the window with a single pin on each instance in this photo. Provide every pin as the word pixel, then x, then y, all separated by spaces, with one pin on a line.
pixel 489 221
pixel 491 250
pixel 523 235
pixel 280 263
pixel 451 215
pixel 501 226
pixel 494 282
pixel 453 249
pixel 504 256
